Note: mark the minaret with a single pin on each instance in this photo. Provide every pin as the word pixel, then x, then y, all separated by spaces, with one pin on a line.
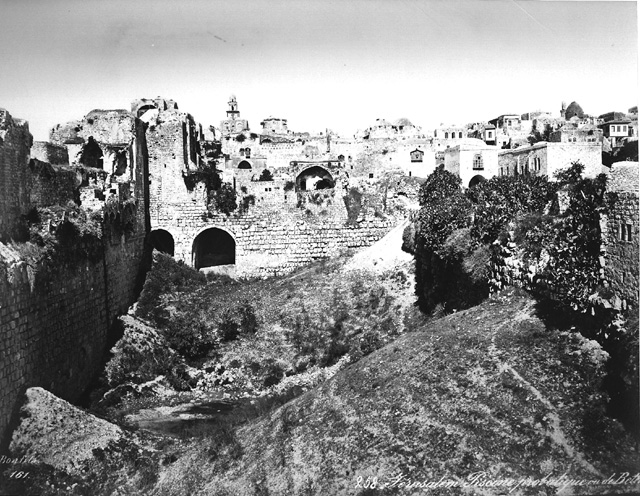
pixel 328 141
pixel 563 111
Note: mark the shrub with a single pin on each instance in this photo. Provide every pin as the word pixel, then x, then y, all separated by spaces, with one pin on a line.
pixel 573 240
pixel 190 336
pixel 248 319
pixel 63 235
pixel 409 238
pixel 266 175
pixel 223 199
pixel 206 174
pixel 500 199
pixel 166 276
pixel 353 203
pixel 247 201
pixel 228 327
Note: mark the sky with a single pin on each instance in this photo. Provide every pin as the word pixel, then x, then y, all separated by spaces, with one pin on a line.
pixel 337 64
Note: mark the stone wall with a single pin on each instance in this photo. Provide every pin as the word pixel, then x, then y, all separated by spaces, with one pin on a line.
pixel 50 153
pixel 553 157
pixel 621 238
pixel 55 320
pixel 51 185
pixel 55 316
pixel 15 141
pixel 273 238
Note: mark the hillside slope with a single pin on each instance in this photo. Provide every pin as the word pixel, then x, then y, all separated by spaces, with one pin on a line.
pixel 488 390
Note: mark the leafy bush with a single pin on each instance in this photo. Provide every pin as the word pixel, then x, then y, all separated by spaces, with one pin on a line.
pixel 353 203
pixel 266 175
pixel 166 276
pixel 60 235
pixel 206 174
pixel 247 201
pixel 237 320
pixel 223 199
pixel 573 240
pixel 499 200
pixel 190 336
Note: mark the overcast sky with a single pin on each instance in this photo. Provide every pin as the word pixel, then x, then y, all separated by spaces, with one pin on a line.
pixel 319 63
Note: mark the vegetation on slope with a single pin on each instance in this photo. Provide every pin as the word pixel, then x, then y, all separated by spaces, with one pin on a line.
pixel 489 389
pixel 244 337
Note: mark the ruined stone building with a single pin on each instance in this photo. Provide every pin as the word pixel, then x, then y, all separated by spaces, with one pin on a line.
pixel 58 304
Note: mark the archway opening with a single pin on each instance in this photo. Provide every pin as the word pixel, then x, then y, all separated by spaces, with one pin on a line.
pixel 477 179
pixel 161 240
pixel 143 109
pixel 92 155
pixel 213 247
pixel 314 178
pixel 244 165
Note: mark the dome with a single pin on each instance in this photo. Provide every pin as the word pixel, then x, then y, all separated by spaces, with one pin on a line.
pixel 574 109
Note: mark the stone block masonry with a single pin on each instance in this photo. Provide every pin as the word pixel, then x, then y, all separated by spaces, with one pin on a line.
pixel 55 317
pixel 54 321
pixel 15 141
pixel 270 239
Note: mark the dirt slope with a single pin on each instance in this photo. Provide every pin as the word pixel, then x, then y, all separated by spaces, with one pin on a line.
pixel 484 390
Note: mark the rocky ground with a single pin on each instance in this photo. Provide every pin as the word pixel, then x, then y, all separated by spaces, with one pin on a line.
pixel 490 397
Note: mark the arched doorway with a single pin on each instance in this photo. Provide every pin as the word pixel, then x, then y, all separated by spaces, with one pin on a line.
pixel 314 178
pixel 244 165
pixel 477 179
pixel 161 240
pixel 92 155
pixel 213 247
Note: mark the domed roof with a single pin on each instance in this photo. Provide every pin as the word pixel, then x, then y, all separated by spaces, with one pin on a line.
pixel 574 109
pixel 403 121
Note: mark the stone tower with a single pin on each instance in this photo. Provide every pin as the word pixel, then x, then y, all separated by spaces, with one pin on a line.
pixel 233 124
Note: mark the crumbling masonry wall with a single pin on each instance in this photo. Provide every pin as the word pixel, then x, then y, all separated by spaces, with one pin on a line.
pixel 621 238
pixel 55 319
pixel 15 141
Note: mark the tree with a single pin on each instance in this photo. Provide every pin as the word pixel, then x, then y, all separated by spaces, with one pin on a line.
pixel 266 175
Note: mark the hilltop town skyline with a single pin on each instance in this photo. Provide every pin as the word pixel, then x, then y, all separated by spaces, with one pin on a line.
pixel 319 64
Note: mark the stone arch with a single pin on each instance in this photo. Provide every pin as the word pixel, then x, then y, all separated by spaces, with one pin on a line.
pixel 477 179
pixel 245 164
pixel 314 177
pixel 162 240
pixel 212 247
pixel 92 155
pixel 143 109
